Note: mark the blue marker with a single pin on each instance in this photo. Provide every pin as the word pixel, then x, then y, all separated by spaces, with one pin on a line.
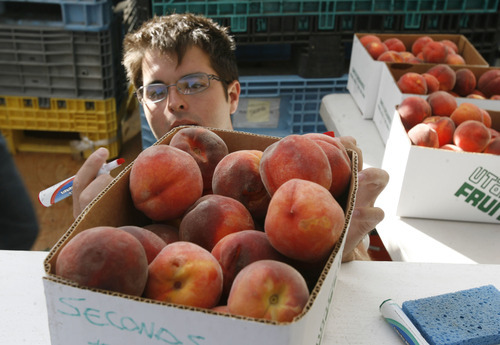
pixel 398 320
pixel 64 189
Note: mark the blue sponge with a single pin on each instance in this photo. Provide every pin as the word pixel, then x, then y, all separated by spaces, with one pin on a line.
pixel 468 317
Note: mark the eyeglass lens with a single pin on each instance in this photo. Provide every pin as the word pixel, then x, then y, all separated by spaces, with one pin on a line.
pixel 187 85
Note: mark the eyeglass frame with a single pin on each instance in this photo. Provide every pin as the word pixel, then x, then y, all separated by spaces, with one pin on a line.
pixel 141 98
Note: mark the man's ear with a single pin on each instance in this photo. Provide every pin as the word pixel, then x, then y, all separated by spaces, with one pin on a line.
pixel 234 90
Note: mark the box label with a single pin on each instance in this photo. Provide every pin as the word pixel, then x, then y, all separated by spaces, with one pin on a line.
pixel 360 86
pixel 482 191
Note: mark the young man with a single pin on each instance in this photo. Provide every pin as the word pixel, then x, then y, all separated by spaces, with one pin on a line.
pixel 185 72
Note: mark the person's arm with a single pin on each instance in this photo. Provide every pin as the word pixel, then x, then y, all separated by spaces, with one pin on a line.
pixel 86 186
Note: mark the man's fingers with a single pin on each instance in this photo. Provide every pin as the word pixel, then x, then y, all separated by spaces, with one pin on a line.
pixel 372 181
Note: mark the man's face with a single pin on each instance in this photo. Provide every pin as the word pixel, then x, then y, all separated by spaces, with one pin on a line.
pixel 209 108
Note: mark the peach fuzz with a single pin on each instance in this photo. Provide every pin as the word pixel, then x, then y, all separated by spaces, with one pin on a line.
pixel 413 110
pixel 211 218
pixel 106 258
pixel 338 158
pixel 186 274
pixel 432 83
pixel 445 75
pixel 164 182
pixel 465 82
pixel 466 111
pixel 489 83
pixel 493 147
pixel 375 49
pixel 304 221
pixel 294 156
pixel 412 82
pixel 442 103
pixel 419 44
pixel 238 176
pixel 471 136
pixel 166 232
pixel 270 290
pixel 151 242
pixel 238 250
pixel 434 52
pixel 206 147
pixel 395 44
pixel 423 135
pixel 444 127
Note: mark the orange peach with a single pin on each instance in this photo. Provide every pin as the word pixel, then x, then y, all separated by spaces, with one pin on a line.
pixel 164 182
pixel 486 118
pixel 454 59
pixel 340 163
pixel 434 52
pixel 106 258
pixel 166 232
pixel 465 82
pixel 151 242
pixel 237 250
pixel 205 146
pixel 304 221
pixel 489 83
pixel 423 135
pixel 238 176
pixel 413 110
pixel 442 103
pixel 211 218
pixel 412 82
pixel 368 39
pixel 390 56
pixel 270 290
pixel 466 111
pixel 407 56
pixel 471 136
pixel 445 75
pixel 432 83
pixel 294 156
pixel 444 127
pixel 419 44
pixel 395 44
pixel 493 146
pixel 186 274
pixel 375 49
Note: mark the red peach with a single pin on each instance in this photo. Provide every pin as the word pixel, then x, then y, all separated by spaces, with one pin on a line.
pixel 419 44
pixel 466 111
pixel 368 39
pixel 446 76
pixel 413 110
pixel 442 103
pixel 465 82
pixel 493 146
pixel 451 147
pixel 151 242
pixel 489 83
pixel 412 82
pixel 423 135
pixel 450 44
pixel 454 59
pixel 375 49
pixel 444 127
pixel 390 56
pixel 166 232
pixel 434 52
pixel 432 83
pixel 471 136
pixel 395 44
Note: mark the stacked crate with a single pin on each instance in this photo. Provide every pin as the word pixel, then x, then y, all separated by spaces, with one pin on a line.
pixel 62 85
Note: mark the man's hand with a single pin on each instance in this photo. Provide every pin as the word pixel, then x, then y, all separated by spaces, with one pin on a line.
pixel 87 185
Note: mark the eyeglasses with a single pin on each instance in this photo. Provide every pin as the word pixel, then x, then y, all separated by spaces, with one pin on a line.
pixel 188 85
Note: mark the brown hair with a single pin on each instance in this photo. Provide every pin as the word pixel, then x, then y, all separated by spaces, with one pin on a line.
pixel 174 34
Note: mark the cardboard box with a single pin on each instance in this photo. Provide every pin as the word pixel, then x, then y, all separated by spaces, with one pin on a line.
pixel 364 72
pixel 442 184
pixel 80 315
pixel 389 94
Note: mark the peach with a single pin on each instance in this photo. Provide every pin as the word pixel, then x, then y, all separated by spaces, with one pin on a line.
pixel 164 182
pixel 407 56
pixel 211 218
pixel 168 233
pixel 237 250
pixel 368 39
pixel 419 44
pixel 444 127
pixel 452 45
pixel 413 110
pixel 451 147
pixel 340 163
pixel 294 156
pixel 205 146
pixel 489 83
pixel 221 309
pixel 270 290
pixel 432 83
pixel 466 111
pixel 238 176
pixel 454 59
pixel 471 136
pixel 442 103
pixel 375 49
pixel 465 82
pixel 412 82
pixel 395 44
pixel 186 274
pixel 486 118
pixel 304 221
pixel 151 242
pixel 476 96
pixel 445 75
pixel 493 147
pixel 390 56
pixel 106 258
pixel 495 97
pixel 434 52
pixel 494 133
pixel 423 135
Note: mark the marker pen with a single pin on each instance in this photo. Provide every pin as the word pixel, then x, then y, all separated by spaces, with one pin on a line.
pixel 398 320
pixel 63 189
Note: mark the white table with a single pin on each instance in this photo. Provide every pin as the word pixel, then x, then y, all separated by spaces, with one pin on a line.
pixel 354 316
pixel 410 239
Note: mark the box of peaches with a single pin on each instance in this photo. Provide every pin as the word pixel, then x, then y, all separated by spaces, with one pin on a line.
pixel 444 158
pixel 208 237
pixel 370 52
